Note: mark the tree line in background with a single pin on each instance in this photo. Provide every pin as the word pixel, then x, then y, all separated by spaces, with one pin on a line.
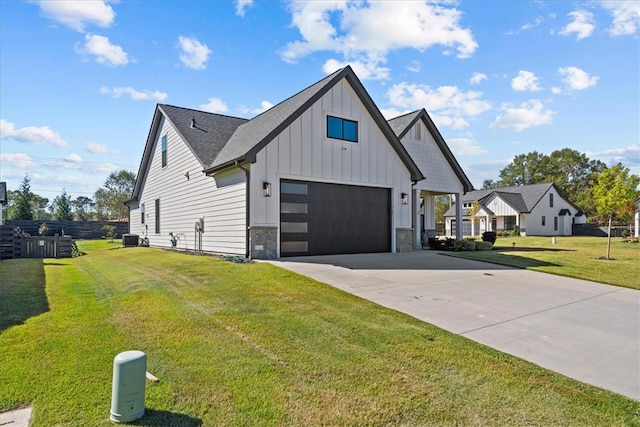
pixel 107 202
pixel 602 193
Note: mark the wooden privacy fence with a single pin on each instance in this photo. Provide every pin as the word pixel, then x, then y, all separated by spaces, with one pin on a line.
pixel 77 229
pixel 14 245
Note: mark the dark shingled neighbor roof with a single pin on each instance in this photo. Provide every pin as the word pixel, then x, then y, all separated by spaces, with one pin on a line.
pixel 210 133
pixel 522 198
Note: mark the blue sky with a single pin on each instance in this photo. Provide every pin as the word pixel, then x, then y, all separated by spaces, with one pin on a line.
pixel 79 80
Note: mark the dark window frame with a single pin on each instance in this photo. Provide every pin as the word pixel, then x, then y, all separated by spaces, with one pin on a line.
pixel 164 151
pixel 341 135
pixel 550 200
pixel 142 213
pixel 157 215
pixel 544 220
pixel 555 223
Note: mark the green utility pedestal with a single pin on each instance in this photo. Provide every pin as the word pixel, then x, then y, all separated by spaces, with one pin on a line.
pixel 127 397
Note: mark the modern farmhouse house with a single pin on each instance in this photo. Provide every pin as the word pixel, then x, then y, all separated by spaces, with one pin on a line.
pixel 320 173
pixel 537 210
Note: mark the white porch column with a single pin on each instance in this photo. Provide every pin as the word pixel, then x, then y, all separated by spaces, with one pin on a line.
pixel 459 216
pixel 637 225
pixel 429 211
pixel 415 217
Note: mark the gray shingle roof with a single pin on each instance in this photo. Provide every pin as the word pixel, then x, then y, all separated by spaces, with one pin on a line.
pixel 401 124
pixel 210 134
pixel 270 123
pixel 218 140
pixel 522 198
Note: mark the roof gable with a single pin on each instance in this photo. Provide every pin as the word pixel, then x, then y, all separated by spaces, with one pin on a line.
pixel 522 198
pixel 205 134
pixel 402 124
pixel 254 135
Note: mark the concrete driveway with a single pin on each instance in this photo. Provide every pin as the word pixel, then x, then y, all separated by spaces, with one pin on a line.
pixel 581 329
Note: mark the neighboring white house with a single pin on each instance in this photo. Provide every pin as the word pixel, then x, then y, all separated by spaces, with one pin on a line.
pixel 320 173
pixel 537 210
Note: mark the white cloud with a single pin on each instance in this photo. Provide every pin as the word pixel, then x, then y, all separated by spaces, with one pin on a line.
pixel 629 156
pixel 194 54
pixel 534 24
pixel 414 67
pixel 97 148
pixel 447 105
pixel 365 70
pixel 582 25
pixel 214 105
pixel 78 14
pixel 18 160
pixel 476 78
pixel 465 147
pixel 241 5
pixel 576 78
pixel 264 106
pixel 31 134
pixel 626 16
pixel 525 81
pixel 526 115
pixel 135 95
pixel 103 51
pixel 353 29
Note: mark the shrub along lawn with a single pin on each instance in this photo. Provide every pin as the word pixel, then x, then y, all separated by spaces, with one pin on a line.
pixel 572 256
pixel 252 344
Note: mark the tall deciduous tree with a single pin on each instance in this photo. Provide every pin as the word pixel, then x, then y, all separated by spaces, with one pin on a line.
pixel 615 189
pixel 572 171
pixel 21 207
pixel 62 207
pixel 82 206
pixel 117 189
pixel 525 169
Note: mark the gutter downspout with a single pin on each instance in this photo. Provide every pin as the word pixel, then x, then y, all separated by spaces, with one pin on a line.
pixel 247 173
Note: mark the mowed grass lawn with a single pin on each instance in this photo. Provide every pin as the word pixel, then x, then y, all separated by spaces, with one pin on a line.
pixel 571 256
pixel 252 344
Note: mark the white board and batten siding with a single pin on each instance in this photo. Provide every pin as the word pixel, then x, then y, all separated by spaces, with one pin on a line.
pixel 220 201
pixel 302 151
pixel 439 175
pixel 542 208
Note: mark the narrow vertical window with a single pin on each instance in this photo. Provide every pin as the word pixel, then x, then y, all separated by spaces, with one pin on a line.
pixel 157 216
pixel 142 213
pixel 418 131
pixel 544 220
pixel 550 200
pixel 164 151
pixel 555 223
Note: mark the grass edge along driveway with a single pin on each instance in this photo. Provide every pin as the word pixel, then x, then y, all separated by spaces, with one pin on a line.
pixel 253 344
pixel 579 257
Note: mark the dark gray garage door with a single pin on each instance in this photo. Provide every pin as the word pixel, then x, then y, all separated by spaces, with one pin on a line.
pixel 323 219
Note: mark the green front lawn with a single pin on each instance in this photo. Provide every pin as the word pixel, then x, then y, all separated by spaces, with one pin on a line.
pixel 252 344
pixel 571 256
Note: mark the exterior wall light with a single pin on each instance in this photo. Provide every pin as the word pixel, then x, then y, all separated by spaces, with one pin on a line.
pixel 404 198
pixel 266 189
